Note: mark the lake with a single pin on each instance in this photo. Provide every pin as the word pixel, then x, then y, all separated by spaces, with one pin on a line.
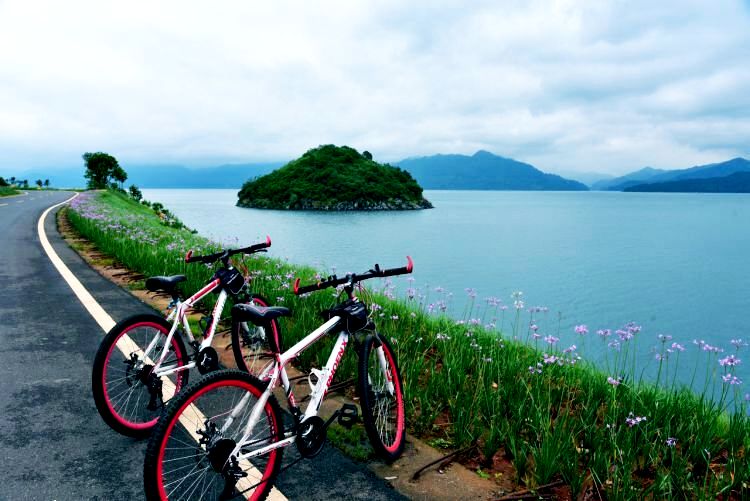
pixel 677 264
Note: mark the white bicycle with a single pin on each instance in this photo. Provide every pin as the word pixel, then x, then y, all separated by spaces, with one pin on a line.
pixel 142 361
pixel 223 437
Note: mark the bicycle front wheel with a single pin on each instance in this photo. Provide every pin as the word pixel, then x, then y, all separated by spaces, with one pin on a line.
pixel 126 395
pixel 381 397
pixel 252 344
pixel 190 456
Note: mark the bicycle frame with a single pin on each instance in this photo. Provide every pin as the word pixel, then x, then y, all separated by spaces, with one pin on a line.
pixel 179 315
pixel 276 373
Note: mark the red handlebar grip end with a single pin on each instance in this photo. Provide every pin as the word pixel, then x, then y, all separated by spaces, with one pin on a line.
pixel 268 241
pixel 409 264
pixel 188 255
pixel 296 286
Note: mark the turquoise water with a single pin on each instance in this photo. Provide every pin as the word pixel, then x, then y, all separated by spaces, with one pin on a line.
pixel 677 264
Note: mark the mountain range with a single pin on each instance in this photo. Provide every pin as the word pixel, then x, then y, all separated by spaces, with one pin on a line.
pixel 483 171
pixel 162 176
pixel 739 182
pixel 648 176
pixel 480 171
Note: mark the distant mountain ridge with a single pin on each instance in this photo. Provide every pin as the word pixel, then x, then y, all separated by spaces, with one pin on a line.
pixel 483 171
pixel 637 177
pixel 650 175
pixel 738 182
pixel 164 175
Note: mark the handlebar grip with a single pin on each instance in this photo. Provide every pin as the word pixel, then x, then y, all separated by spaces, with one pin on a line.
pixel 306 288
pixel 257 247
pixel 188 256
pixel 400 271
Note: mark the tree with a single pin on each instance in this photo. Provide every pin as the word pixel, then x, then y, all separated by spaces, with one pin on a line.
pixel 3 182
pixel 46 183
pixel 25 183
pixel 119 175
pixel 135 193
pixel 39 183
pixel 100 167
pixel 367 155
pixel 12 179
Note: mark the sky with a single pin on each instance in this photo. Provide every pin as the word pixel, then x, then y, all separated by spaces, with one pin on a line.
pixel 574 86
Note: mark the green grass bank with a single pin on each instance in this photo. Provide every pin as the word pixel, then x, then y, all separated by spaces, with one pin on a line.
pixel 541 409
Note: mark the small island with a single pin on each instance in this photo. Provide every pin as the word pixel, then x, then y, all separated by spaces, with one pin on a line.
pixel 334 178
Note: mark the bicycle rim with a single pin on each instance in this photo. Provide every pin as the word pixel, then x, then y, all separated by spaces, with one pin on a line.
pixel 126 394
pixel 187 469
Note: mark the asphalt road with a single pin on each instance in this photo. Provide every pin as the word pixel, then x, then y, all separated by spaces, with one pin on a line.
pixel 54 445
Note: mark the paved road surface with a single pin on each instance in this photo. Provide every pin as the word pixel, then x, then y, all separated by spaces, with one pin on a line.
pixel 54 445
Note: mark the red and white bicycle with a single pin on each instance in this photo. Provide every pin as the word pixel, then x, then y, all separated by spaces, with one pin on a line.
pixel 223 437
pixel 142 362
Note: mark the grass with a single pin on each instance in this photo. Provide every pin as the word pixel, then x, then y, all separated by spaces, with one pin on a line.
pixel 493 380
pixel 6 191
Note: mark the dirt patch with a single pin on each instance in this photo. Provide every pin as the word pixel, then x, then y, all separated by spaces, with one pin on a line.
pixel 446 480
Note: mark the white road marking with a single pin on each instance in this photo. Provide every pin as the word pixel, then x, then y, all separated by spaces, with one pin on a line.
pixel 126 344
pixel 2 205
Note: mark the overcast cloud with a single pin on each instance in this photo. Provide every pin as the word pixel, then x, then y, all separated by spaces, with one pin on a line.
pixel 575 86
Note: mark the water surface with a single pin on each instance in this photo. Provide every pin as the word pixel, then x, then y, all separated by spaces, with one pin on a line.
pixel 675 263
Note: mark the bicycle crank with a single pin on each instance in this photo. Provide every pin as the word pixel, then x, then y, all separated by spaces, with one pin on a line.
pixel 311 437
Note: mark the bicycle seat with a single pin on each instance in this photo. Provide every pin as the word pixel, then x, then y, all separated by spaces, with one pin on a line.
pixel 257 314
pixel 166 284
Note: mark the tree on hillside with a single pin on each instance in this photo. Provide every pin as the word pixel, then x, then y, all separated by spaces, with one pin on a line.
pixel 135 193
pixel 39 183
pixel 100 168
pixel 120 176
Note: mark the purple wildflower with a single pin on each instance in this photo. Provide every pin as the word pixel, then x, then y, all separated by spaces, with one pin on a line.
pixel 570 349
pixel 582 329
pixel 613 381
pixel 678 347
pixel 729 361
pixel 671 442
pixel 550 359
pixel 731 380
pixel 632 420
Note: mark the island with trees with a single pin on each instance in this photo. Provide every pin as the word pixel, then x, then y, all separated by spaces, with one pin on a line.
pixel 334 178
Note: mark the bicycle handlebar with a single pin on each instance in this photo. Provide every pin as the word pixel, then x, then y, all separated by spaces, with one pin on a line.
pixel 210 258
pixel 333 281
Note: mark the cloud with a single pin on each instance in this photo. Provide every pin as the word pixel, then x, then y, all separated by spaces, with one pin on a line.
pixel 564 85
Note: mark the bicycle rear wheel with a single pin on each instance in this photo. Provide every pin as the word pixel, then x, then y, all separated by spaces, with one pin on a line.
pixel 381 397
pixel 189 454
pixel 124 392
pixel 252 344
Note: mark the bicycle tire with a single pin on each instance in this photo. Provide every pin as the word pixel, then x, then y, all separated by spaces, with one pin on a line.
pixel 382 412
pixel 111 398
pixel 210 400
pixel 251 346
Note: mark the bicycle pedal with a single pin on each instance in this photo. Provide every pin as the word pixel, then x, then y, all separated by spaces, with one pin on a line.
pixel 348 416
